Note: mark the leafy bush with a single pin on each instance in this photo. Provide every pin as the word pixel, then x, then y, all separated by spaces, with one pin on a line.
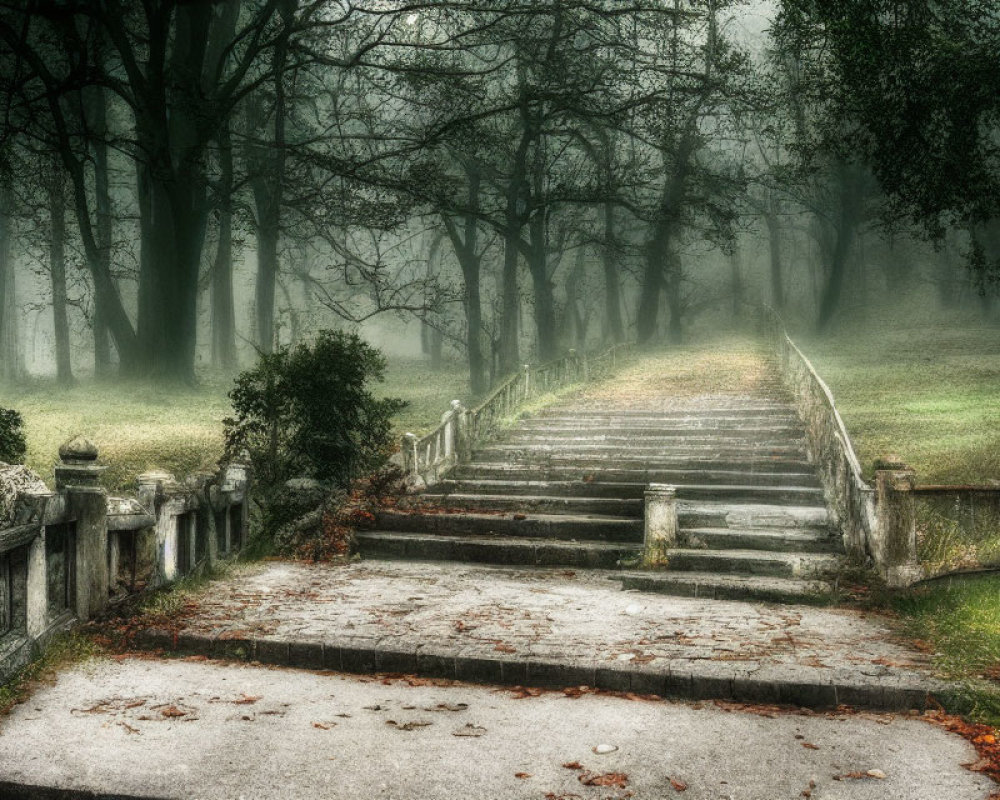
pixel 12 442
pixel 308 412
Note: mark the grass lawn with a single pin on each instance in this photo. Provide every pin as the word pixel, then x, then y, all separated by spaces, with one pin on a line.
pixel 959 622
pixel 138 426
pixel 927 391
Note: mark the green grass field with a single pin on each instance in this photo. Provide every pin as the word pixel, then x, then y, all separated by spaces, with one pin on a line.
pixel 927 391
pixel 140 426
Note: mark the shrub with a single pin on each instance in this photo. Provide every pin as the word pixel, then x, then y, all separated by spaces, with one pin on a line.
pixel 12 442
pixel 308 412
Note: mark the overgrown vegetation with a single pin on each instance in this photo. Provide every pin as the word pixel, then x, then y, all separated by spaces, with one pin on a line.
pixel 959 622
pixel 308 411
pixel 12 442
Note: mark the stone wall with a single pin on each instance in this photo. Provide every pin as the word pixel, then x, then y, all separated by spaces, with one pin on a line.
pixel 69 552
pixel 876 521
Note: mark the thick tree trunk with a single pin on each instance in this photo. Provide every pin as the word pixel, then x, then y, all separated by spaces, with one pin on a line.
pixel 9 353
pixel 673 285
pixel 97 119
pixel 57 273
pixel 652 284
pixel 848 216
pixel 223 305
pixel 777 272
pixel 466 248
pixel 612 288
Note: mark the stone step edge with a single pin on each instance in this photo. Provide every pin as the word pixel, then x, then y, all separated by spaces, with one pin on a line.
pixel 693 680
pixel 721 586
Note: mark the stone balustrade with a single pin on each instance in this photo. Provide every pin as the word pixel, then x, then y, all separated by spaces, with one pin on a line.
pixel 69 552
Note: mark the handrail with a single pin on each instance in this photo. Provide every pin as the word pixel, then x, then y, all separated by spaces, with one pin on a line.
pixel 427 458
pixel 847 492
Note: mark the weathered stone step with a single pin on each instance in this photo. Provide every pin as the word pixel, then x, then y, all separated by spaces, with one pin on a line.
pixel 728 587
pixel 751 475
pixel 740 516
pixel 750 462
pixel 637 452
pixel 581 490
pixel 715 422
pixel 667 441
pixel 507 550
pixel 793 540
pixel 567 527
pixel 752 562
pixel 536 504
pixel 761 408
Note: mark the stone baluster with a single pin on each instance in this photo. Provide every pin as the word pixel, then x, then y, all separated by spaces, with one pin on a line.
pixel 894 545
pixel 660 533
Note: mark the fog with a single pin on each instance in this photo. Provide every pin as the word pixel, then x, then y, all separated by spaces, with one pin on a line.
pixel 486 184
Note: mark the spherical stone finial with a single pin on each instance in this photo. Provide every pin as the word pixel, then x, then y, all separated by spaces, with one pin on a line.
pixel 78 450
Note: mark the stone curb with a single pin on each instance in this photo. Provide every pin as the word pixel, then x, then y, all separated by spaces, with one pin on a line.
pixel 682 680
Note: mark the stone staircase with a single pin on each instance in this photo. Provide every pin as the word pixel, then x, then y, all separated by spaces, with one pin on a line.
pixel 565 489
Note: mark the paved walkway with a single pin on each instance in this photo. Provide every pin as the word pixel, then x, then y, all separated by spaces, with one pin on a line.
pixel 550 628
pixel 140 728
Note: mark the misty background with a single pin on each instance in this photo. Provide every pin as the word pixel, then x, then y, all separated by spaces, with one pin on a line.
pixel 184 185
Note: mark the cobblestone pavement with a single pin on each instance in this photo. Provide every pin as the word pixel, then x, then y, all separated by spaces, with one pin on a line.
pixel 580 620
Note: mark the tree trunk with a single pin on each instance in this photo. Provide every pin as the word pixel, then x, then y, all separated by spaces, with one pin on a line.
pixel 466 250
pixel 673 284
pixel 9 355
pixel 774 242
pixel 57 273
pixel 848 215
pixel 736 284
pixel 223 306
pixel 96 105
pixel 612 289
pixel 652 284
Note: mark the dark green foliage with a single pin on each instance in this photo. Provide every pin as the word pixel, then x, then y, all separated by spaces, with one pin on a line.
pixel 12 443
pixel 308 412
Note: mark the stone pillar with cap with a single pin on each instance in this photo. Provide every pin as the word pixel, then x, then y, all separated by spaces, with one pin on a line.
pixel 894 545
pixel 660 533
pixel 78 478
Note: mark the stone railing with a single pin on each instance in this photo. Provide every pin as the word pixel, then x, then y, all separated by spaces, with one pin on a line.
pixel 877 521
pixel 68 553
pixel 426 459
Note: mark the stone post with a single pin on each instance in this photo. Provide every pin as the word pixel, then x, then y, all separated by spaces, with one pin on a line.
pixel 78 476
pixel 660 524
pixel 152 490
pixel 527 381
pixel 410 454
pixel 461 423
pixel 894 546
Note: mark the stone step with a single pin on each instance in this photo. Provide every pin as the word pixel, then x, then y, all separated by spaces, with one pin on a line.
pixel 740 516
pixel 762 409
pixel 794 540
pixel 705 461
pixel 631 491
pixel 690 513
pixel 713 586
pixel 566 527
pixel 717 422
pixel 595 476
pixel 636 453
pixel 668 441
pixel 665 428
pixel 506 550
pixel 588 526
pixel 752 562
